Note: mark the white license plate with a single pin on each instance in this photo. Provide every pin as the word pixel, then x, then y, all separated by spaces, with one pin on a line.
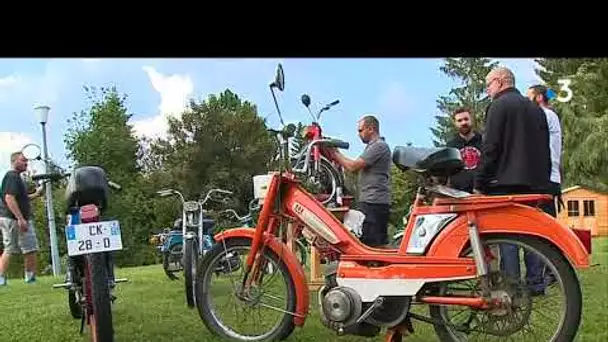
pixel 94 237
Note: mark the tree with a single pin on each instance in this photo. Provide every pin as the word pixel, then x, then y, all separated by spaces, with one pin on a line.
pixel 101 135
pixel 219 142
pixel 470 73
pixel 584 118
pixel 297 143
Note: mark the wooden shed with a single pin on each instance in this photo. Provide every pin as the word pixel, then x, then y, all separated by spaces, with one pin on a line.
pixel 585 209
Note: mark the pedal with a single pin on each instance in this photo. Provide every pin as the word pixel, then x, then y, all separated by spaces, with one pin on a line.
pixel 64 285
pixel 121 280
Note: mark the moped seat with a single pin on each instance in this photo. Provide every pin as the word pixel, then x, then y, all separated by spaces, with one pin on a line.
pixel 442 161
pixel 87 185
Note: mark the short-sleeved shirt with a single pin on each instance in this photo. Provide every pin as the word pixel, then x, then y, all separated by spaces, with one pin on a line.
pixel 374 178
pixel 13 184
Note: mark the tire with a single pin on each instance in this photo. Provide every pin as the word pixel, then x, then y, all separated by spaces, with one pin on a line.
pixel 326 166
pixel 166 257
pixel 190 264
pixel 205 273
pixel 102 329
pixel 75 307
pixel 571 287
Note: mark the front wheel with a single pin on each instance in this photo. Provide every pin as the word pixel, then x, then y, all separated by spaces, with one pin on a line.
pixel 190 263
pixel 259 313
pixel 530 284
pixel 98 293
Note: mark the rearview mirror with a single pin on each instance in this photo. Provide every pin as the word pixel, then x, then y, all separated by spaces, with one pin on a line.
pixel 279 81
pixel 31 152
pixel 306 100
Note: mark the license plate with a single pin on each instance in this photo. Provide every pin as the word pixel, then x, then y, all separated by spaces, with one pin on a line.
pixel 94 237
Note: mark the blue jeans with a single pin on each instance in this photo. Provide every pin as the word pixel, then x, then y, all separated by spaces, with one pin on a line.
pixel 510 259
pixel 535 268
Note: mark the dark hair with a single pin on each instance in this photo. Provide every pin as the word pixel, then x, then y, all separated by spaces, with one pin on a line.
pixel 371 121
pixel 461 110
pixel 539 89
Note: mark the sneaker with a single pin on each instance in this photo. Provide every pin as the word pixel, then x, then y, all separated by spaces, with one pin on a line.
pixel 2 281
pixel 30 278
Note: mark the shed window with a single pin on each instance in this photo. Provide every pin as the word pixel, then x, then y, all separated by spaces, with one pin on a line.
pixel 588 208
pixel 573 208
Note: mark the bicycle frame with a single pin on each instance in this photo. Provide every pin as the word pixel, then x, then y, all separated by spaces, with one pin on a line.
pixel 404 271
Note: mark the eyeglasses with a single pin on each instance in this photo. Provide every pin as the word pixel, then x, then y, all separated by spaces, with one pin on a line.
pixel 488 84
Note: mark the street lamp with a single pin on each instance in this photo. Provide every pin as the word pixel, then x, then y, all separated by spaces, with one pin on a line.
pixel 42 112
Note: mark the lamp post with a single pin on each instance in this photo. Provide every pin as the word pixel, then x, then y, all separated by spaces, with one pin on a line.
pixel 43 115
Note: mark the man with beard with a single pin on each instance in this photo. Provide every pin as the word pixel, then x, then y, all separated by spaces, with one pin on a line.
pixel 468 141
pixel 374 165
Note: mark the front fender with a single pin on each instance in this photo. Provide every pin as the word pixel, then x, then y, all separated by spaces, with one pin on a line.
pixel 517 219
pixel 293 265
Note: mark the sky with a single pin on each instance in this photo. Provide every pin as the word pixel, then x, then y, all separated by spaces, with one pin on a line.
pixel 402 93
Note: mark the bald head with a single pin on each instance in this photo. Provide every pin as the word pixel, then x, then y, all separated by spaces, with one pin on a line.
pixel 498 80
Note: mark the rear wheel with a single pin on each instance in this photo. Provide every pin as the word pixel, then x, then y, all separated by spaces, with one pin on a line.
pixel 190 264
pixel 74 304
pixel 100 315
pixel 325 182
pixel 223 305
pixel 518 320
pixel 172 260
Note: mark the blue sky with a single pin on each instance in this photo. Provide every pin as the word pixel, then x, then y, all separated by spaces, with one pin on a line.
pixel 402 93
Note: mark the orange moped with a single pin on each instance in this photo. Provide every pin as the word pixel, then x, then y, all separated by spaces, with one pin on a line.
pixel 449 260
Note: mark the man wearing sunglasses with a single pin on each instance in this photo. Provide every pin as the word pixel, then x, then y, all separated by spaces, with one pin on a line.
pixel 374 167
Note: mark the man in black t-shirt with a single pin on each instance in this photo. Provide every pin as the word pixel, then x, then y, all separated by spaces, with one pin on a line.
pixel 16 221
pixel 468 141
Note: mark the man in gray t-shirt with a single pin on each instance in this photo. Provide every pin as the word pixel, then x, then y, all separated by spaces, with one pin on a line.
pixel 374 166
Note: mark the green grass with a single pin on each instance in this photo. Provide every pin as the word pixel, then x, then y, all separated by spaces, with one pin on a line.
pixel 152 308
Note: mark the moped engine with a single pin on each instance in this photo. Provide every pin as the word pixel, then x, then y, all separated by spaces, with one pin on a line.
pixel 341 307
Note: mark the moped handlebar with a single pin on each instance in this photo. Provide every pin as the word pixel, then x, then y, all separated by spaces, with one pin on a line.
pixel 208 196
pixel 53 177
pixel 56 176
pixel 239 218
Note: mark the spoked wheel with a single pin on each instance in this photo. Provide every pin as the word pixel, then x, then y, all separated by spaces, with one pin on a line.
pixel 326 181
pixel 190 265
pixel 545 308
pixel 172 261
pixel 259 314
pixel 97 291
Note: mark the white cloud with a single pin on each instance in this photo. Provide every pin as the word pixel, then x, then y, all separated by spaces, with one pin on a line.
pixel 175 91
pixel 11 142
pixel 35 89
pixel 8 81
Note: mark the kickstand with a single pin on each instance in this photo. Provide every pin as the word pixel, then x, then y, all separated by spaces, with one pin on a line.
pixel 396 334
pixel 82 323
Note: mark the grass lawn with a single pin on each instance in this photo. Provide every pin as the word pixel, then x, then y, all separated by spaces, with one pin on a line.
pixel 152 308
